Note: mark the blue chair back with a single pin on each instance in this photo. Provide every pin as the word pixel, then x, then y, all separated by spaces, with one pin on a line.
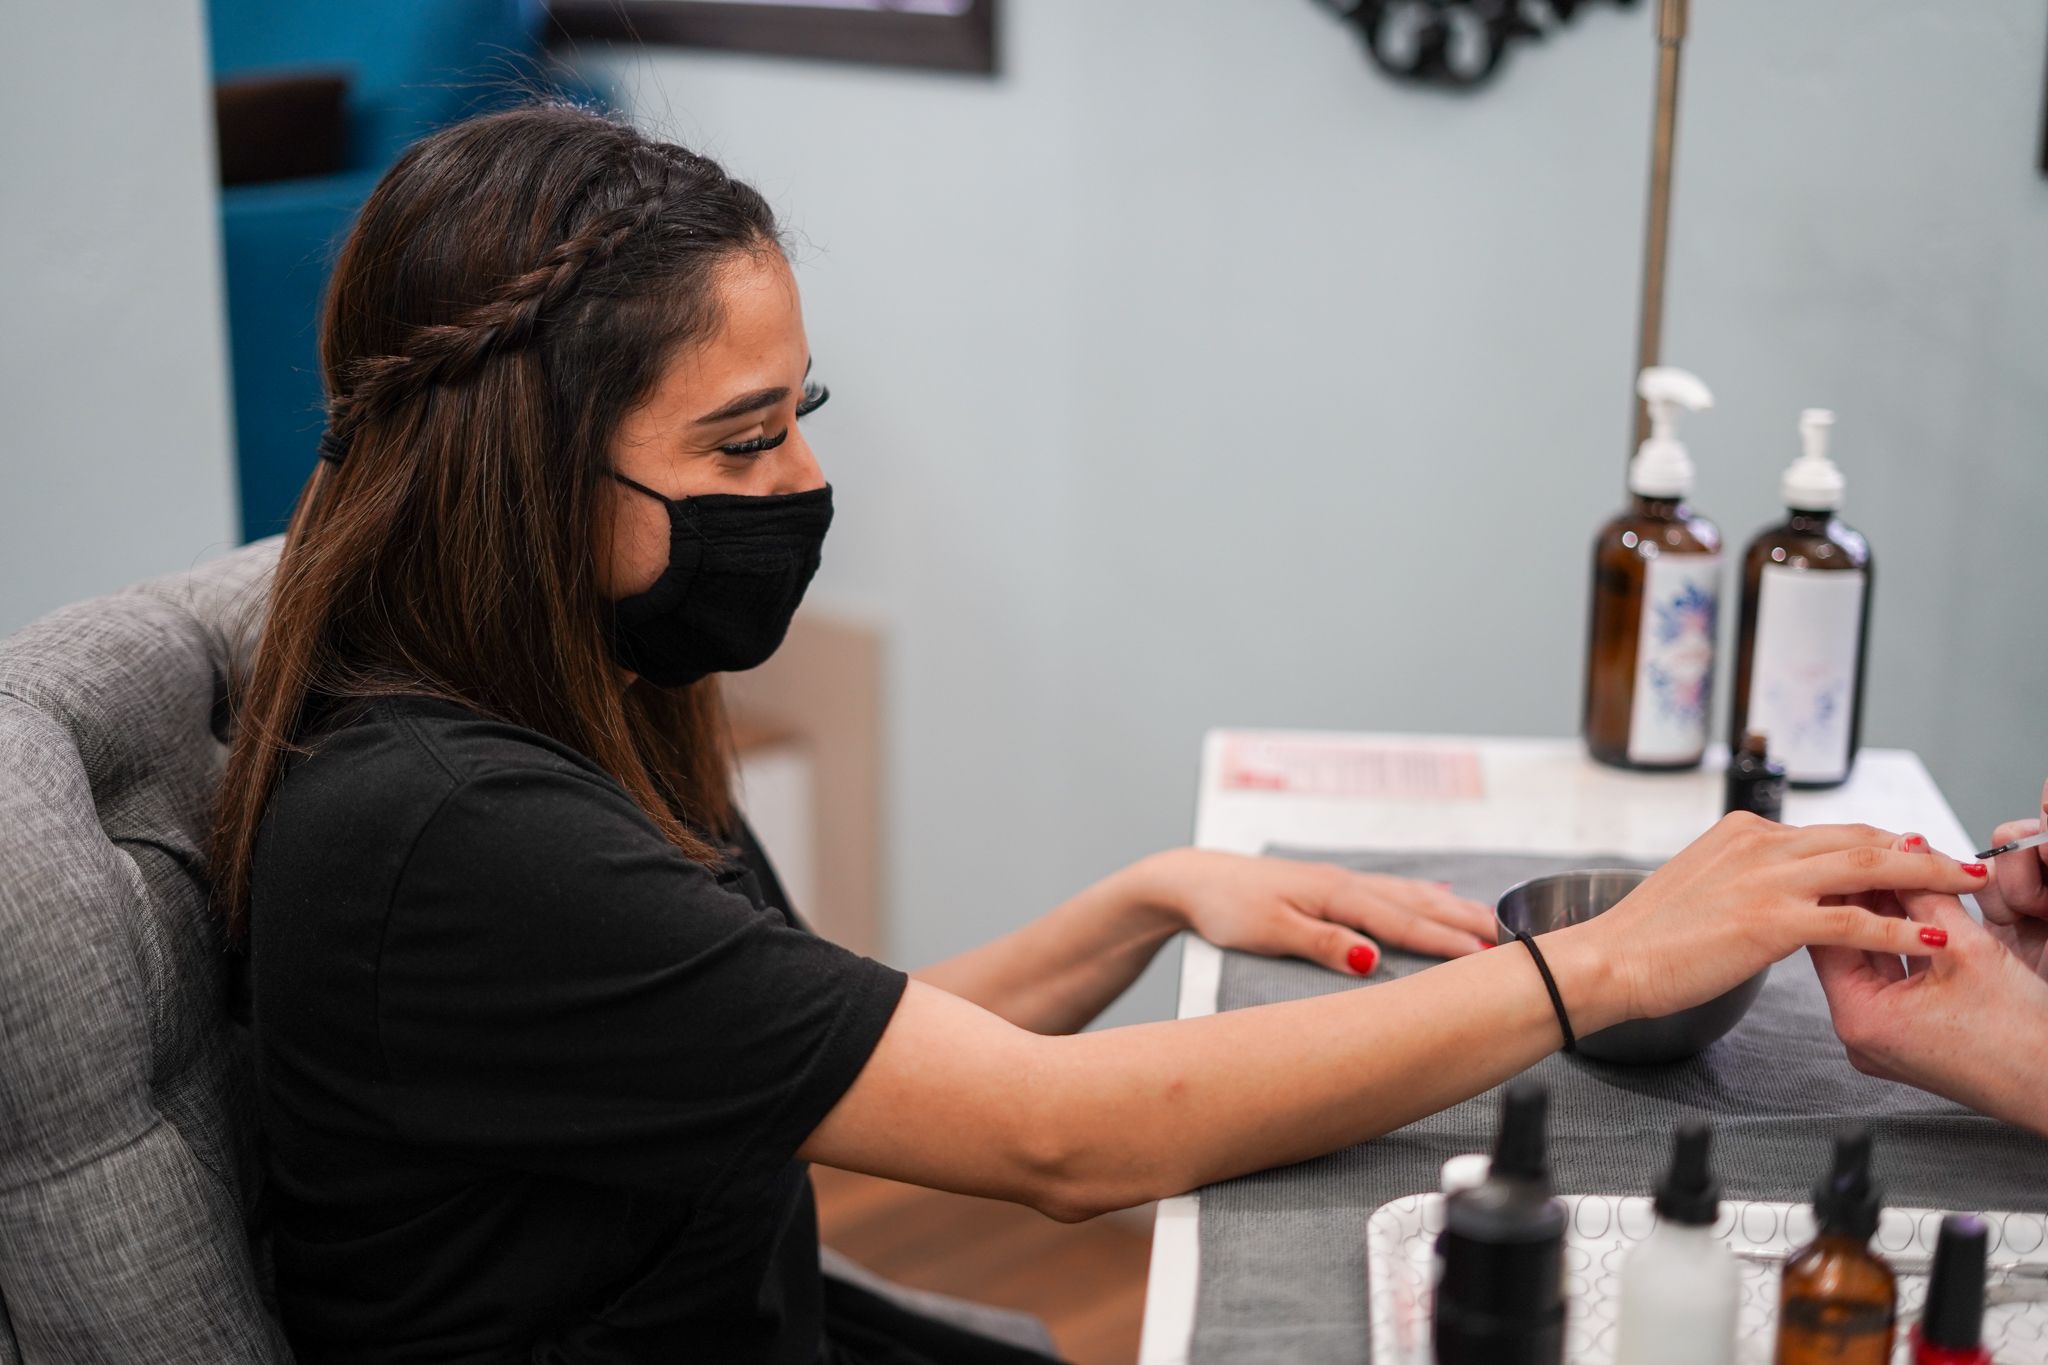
pixel 414 66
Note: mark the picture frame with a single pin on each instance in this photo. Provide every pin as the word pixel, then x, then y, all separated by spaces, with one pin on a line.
pixel 938 35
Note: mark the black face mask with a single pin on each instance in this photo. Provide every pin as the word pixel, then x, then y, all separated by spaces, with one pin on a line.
pixel 737 567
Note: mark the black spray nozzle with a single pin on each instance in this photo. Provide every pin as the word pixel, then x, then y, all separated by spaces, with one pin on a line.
pixel 1690 1194
pixel 1954 1316
pixel 1519 1149
pixel 1847 1201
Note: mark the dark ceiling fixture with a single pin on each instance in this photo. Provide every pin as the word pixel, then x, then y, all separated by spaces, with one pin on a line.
pixel 1455 43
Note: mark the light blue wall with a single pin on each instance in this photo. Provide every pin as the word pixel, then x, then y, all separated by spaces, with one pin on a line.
pixel 1193 374
pixel 114 438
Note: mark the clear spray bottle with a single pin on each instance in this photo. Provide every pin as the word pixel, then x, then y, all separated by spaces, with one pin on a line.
pixel 1679 1288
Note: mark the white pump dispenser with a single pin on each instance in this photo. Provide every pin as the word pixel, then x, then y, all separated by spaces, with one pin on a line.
pixel 1812 483
pixel 1661 468
pixel 1799 661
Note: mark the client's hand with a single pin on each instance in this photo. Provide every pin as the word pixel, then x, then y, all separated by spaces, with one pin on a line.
pixel 1327 914
pixel 1748 892
pixel 2015 903
pixel 1969 1023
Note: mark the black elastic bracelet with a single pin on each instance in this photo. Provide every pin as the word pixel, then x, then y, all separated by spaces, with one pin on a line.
pixel 1564 1022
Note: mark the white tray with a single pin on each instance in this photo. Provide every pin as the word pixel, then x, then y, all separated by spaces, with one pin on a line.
pixel 1400 1241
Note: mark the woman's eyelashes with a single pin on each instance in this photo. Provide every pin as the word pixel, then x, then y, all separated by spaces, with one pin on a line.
pixel 813 398
pixel 759 445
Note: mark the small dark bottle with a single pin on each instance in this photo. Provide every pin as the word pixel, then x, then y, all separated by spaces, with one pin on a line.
pixel 1805 624
pixel 1838 1301
pixel 1656 594
pixel 1755 782
pixel 1501 1299
pixel 1951 1330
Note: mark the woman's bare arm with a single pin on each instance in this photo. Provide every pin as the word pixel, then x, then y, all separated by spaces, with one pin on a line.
pixel 956 1098
pixel 1057 973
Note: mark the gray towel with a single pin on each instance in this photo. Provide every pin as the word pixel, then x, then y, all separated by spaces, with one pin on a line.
pixel 1283 1252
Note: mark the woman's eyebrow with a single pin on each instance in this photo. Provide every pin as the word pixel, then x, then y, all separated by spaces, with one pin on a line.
pixel 744 404
pixel 750 402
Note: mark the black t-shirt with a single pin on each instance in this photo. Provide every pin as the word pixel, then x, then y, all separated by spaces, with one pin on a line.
pixel 532 1081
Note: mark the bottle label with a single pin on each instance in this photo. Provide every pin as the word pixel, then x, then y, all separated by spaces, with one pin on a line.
pixel 1674 659
pixel 1838 1326
pixel 1802 680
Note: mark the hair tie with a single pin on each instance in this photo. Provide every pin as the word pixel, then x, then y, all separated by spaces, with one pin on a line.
pixel 333 445
pixel 1564 1021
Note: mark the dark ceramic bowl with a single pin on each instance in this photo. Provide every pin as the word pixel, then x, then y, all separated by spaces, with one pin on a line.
pixel 1545 903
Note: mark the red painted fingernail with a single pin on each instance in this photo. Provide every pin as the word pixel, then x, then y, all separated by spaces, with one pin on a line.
pixel 1362 959
pixel 1934 937
pixel 1915 841
pixel 1977 869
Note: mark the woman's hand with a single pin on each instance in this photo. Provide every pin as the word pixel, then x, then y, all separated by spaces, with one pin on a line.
pixel 1327 914
pixel 2015 901
pixel 1749 892
pixel 1970 1023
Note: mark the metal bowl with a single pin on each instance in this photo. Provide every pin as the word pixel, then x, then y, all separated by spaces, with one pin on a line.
pixel 1545 903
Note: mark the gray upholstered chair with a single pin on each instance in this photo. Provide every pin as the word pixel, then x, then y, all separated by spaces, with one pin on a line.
pixel 126 1160
pixel 128 1164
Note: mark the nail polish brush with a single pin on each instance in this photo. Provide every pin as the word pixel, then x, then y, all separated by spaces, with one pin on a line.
pixel 2031 841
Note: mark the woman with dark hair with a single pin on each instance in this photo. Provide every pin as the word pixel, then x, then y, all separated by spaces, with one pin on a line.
pixel 542 1047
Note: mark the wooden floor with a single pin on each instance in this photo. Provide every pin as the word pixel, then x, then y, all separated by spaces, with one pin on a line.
pixel 1086 1281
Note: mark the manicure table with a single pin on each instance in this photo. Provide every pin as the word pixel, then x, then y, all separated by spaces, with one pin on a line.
pixel 1271 1266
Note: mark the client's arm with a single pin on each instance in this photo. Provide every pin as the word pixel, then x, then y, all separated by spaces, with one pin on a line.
pixel 956 1098
pixel 1058 972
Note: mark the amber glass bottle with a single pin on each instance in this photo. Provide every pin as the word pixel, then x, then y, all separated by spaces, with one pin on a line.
pixel 1805 625
pixel 1656 592
pixel 1650 644
pixel 1838 1302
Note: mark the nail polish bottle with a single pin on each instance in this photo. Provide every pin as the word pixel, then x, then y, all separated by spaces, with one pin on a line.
pixel 1656 593
pixel 1679 1288
pixel 1838 1300
pixel 1951 1329
pixel 1501 1298
pixel 1805 622
pixel 1755 781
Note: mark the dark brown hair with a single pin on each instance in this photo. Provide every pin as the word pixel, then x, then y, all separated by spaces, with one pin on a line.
pixel 514 285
